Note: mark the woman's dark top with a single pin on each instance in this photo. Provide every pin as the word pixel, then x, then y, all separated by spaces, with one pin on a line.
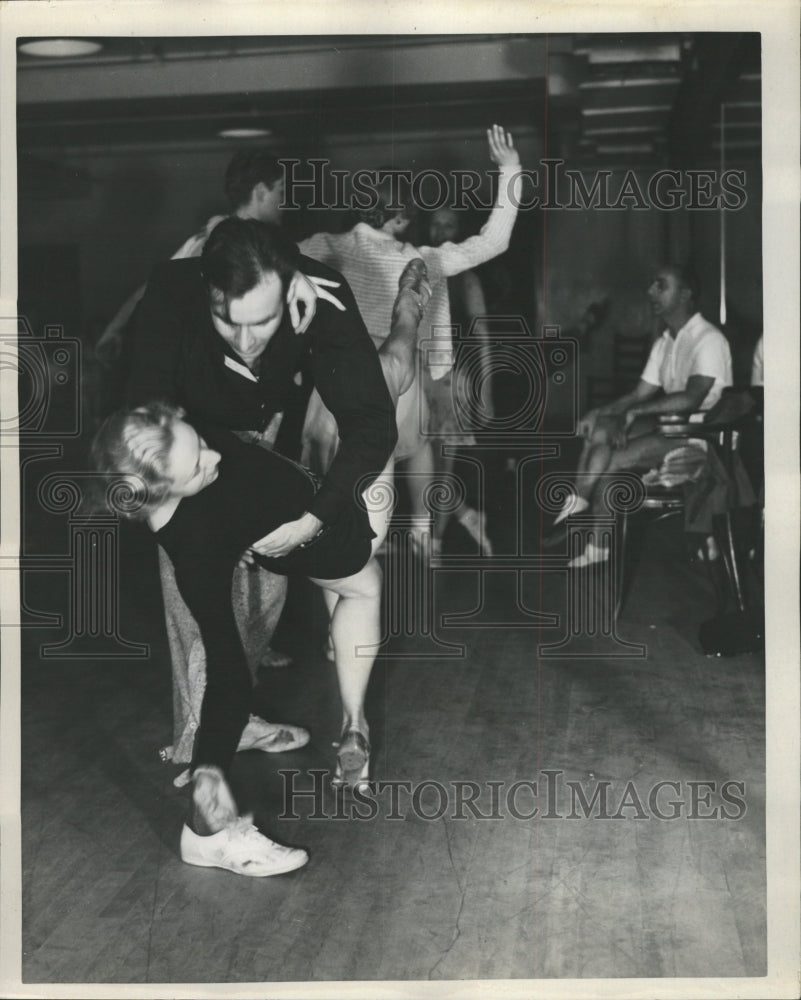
pixel 256 491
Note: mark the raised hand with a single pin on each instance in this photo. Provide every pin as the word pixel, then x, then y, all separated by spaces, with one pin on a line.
pixel 304 290
pixel 301 292
pixel 322 284
pixel 501 147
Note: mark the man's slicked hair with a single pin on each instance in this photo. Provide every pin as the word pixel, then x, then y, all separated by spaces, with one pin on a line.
pixel 248 168
pixel 239 252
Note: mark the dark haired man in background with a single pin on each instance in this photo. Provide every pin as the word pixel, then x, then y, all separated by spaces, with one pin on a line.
pixel 254 187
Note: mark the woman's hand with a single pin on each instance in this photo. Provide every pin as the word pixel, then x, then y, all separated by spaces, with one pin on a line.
pixel 288 536
pixel 305 290
pixel 502 148
pixel 321 284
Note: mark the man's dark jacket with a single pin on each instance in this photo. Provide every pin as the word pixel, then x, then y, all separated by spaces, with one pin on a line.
pixel 178 357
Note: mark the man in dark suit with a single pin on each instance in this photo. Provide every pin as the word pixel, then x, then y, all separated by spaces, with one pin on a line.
pixel 214 335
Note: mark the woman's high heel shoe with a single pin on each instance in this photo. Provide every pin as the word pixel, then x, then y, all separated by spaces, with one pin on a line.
pixel 353 761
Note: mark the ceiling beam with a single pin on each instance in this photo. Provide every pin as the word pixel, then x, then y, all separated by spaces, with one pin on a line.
pixel 377 65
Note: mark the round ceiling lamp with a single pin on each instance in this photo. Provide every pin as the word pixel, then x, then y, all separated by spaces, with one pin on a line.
pixel 60 48
pixel 244 133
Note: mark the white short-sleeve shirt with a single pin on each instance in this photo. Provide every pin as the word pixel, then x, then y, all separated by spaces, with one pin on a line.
pixel 699 348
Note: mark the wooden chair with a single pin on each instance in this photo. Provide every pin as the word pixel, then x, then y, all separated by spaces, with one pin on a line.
pixel 721 427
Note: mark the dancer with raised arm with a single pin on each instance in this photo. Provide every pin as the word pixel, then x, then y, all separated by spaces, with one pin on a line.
pixel 371 256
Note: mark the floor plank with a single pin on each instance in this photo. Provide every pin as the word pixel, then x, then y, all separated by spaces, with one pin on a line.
pixel 107 899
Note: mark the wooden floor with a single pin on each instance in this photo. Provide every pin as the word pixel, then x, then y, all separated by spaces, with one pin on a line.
pixel 107 899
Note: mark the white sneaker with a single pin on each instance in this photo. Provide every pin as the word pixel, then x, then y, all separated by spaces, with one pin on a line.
pixel 271 737
pixel 592 554
pixel 240 848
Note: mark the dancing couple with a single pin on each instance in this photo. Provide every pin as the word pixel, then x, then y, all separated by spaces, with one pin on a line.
pixel 211 497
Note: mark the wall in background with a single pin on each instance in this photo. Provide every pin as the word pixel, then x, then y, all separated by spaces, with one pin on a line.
pixel 591 254
pixel 138 207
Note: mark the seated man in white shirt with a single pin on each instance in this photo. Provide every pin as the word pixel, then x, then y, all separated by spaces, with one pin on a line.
pixel 688 368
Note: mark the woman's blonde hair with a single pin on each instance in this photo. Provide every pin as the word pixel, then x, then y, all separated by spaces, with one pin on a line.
pixel 134 447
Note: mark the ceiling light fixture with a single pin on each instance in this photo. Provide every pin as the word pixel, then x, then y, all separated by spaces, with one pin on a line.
pixel 60 48
pixel 244 133
pixel 599 54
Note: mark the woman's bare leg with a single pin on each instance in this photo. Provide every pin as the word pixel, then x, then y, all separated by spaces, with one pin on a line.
pixel 398 353
pixel 421 466
pixel 355 602
pixel 330 599
pixel 356 635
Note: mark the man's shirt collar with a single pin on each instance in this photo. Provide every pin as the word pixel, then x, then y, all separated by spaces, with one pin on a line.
pixel 239 368
pixel 689 327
